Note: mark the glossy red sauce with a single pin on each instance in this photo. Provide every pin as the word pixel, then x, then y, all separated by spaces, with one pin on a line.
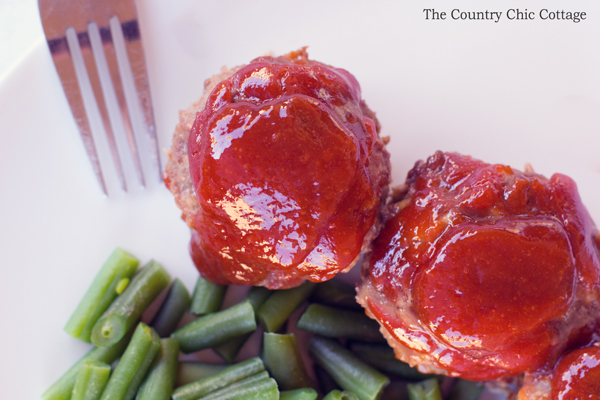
pixel 577 375
pixel 279 159
pixel 479 267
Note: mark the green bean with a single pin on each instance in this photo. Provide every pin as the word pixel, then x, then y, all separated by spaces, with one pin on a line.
pixel 337 323
pixel 428 389
pixel 278 308
pixel 189 372
pixel 133 366
pixel 336 293
pixel 229 350
pixel 348 371
pixel 257 387
pixel 257 296
pixel 226 377
pixel 299 394
pixel 338 395
pixel 159 384
pixel 124 312
pixel 91 380
pixel 216 328
pixel 101 293
pixel 466 390
pixel 233 388
pixel 282 359
pixel 382 357
pixel 207 297
pixel 63 387
pixel 168 316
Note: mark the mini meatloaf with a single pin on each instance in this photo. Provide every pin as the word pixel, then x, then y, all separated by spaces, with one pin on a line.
pixel 280 173
pixel 482 271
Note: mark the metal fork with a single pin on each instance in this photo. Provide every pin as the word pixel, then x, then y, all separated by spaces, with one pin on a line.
pixel 97 48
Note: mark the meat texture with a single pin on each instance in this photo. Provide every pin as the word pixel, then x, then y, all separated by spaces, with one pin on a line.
pixel 280 172
pixel 482 271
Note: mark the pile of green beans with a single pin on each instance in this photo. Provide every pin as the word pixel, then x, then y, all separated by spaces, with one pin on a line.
pixel 136 359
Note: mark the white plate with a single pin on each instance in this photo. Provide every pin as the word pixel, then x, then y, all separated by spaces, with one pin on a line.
pixel 510 92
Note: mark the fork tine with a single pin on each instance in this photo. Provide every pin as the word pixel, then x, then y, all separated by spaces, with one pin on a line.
pixel 110 79
pixel 64 58
pixel 127 40
pixel 90 63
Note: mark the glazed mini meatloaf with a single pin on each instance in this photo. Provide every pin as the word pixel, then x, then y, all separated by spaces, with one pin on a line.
pixel 483 271
pixel 280 173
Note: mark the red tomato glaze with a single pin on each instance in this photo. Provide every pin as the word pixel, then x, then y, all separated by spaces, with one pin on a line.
pixel 486 271
pixel 289 171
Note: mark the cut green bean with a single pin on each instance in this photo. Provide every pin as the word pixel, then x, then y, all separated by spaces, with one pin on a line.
pixel 207 297
pixel 63 388
pixel 189 372
pixel 125 311
pixel 133 366
pixel 428 389
pixel 337 323
pixel 299 394
pixel 101 293
pixel 91 380
pixel 257 387
pixel 339 395
pixel 257 295
pixel 336 293
pixel 282 359
pixel 278 308
pixel 216 328
pixel 235 373
pixel 234 387
pixel 229 350
pixel 382 357
pixel 168 316
pixel 159 384
pixel 348 371
pixel 466 390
